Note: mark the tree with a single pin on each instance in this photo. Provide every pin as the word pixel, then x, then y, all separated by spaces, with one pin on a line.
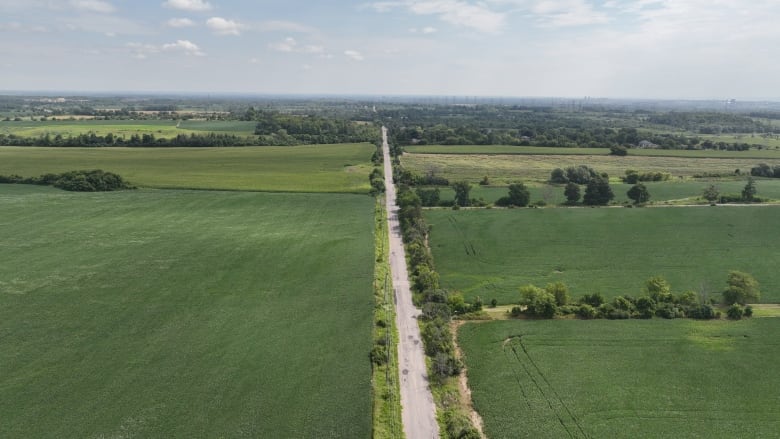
pixel 462 190
pixel 618 150
pixel 711 193
pixel 538 302
pixel 742 287
pixel 598 192
pixel 519 195
pixel 572 193
pixel 735 312
pixel 560 291
pixel 659 289
pixel 749 192
pixel 639 193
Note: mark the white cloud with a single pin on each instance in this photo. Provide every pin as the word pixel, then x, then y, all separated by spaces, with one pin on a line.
pixel 284 26
pixel 143 51
pixel 429 30
pixel 475 15
pixel 563 13
pixel 186 46
pixel 189 5
pixel 290 45
pixel 93 6
pixel 180 22
pixel 221 26
pixel 354 55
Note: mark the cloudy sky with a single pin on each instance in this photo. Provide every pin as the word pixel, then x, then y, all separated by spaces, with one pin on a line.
pixel 569 48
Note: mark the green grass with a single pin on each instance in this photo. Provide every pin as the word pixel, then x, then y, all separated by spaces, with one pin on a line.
pixel 504 169
pixel 160 128
pixel 770 154
pixel 624 379
pixel 321 168
pixel 659 192
pixel 185 314
pixel 491 253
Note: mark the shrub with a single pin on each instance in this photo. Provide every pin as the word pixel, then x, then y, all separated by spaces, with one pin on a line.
pixel 586 311
pixel 735 312
pixel 702 312
pixel 378 355
pixel 742 287
pixel 748 311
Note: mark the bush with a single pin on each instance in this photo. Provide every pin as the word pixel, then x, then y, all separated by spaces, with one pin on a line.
pixel 735 312
pixel 702 312
pixel 538 302
pixel 586 311
pixel 748 311
pixel 378 355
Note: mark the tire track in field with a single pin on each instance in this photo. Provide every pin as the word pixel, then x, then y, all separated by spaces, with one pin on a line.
pixel 553 399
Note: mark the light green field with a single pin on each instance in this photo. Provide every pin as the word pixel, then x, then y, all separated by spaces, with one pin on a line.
pixel 504 169
pixel 491 253
pixel 184 314
pixel 624 379
pixel 660 192
pixel 769 154
pixel 320 168
pixel 160 128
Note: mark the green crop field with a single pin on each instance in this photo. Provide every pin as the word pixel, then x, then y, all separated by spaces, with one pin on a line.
pixel 686 190
pixel 491 253
pixel 320 168
pixel 624 379
pixel 508 168
pixel 159 313
pixel 769 154
pixel 160 128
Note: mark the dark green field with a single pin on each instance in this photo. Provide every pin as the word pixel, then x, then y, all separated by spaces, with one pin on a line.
pixel 624 379
pixel 318 168
pixel 491 253
pixel 184 314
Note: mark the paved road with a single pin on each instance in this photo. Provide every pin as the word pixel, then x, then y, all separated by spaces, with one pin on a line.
pixel 418 411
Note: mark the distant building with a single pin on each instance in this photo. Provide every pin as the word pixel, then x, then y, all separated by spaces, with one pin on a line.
pixel 646 144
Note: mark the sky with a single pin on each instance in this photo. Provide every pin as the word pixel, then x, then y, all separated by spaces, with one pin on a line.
pixel 664 49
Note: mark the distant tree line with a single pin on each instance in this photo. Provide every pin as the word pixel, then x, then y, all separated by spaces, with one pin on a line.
pixel 547 127
pixel 76 181
pixel 310 129
pixel 135 140
pixel 764 170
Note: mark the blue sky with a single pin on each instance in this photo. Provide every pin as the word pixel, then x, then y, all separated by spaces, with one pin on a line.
pixel 568 48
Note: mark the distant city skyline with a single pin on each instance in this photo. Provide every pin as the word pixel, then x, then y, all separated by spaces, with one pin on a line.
pixel 654 49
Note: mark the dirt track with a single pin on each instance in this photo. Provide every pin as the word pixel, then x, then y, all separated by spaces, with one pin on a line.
pixel 418 410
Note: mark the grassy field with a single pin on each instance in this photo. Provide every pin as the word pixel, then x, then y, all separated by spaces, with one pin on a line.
pixel 659 192
pixel 160 128
pixel 769 154
pixel 185 314
pixel 624 379
pixel 320 168
pixel 503 169
pixel 490 253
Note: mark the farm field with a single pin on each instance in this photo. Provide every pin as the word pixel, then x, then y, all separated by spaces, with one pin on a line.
pixel 320 168
pixel 659 191
pixel 491 253
pixel 508 168
pixel 768 154
pixel 624 379
pixel 160 128
pixel 157 313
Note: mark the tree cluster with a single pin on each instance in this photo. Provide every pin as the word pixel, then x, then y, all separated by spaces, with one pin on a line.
pixel 764 170
pixel 136 140
pixel 74 181
pixel 657 300
pixel 311 129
